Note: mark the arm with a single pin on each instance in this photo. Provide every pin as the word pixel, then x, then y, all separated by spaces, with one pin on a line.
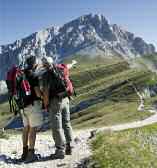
pixel 74 62
pixel 44 89
pixel 38 92
pixel 45 93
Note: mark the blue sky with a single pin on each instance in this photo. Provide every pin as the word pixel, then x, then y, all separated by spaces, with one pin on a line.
pixel 20 18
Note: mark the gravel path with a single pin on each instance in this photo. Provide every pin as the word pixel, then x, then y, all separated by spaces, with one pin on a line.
pixel 11 148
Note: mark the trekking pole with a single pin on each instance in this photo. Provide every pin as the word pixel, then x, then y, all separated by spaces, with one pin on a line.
pixel 10 106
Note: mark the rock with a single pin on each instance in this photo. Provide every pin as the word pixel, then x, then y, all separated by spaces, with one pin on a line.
pixel 77 140
pixel 92 134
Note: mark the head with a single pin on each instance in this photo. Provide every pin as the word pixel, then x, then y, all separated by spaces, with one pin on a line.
pixel 47 61
pixel 31 61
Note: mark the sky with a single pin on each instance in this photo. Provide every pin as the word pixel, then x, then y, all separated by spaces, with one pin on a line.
pixel 20 18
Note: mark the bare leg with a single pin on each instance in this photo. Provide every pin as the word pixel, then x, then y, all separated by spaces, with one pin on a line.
pixel 32 137
pixel 25 136
pixel 25 142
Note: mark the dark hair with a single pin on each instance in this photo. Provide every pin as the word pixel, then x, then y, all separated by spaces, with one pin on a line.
pixel 30 61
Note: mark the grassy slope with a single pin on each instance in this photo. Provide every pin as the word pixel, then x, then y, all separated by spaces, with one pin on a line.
pixel 104 97
pixel 148 62
pixel 131 148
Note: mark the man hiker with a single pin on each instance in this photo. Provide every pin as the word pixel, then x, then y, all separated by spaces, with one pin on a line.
pixel 57 104
pixel 31 118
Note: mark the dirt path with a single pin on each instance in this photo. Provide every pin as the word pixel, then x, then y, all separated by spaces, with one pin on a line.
pixel 11 148
pixel 150 120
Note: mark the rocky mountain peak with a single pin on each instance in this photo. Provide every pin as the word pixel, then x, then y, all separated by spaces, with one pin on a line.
pixel 89 34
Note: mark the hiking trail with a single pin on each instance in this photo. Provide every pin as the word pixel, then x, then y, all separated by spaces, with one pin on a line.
pixel 11 148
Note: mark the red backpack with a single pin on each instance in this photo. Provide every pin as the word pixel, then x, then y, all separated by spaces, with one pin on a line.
pixel 64 75
pixel 59 82
pixel 18 88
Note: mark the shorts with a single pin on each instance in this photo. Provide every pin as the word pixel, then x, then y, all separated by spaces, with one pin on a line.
pixel 33 117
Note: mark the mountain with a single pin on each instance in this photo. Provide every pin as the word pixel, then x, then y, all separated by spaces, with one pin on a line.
pixel 87 35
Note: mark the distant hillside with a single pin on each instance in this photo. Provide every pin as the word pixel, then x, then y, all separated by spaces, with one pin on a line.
pixel 105 95
pixel 147 61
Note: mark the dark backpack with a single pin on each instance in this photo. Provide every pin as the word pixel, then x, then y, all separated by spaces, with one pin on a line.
pixel 61 81
pixel 18 89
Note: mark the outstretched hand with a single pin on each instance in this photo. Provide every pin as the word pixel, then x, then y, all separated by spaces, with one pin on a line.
pixel 74 62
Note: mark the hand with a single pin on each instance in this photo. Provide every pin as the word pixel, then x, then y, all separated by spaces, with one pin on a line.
pixel 74 62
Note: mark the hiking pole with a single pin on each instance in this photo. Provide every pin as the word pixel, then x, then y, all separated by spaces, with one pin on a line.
pixel 10 106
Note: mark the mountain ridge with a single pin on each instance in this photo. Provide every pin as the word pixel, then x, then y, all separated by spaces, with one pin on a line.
pixel 88 34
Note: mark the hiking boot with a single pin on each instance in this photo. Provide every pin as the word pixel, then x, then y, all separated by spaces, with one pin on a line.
pixel 24 154
pixel 68 149
pixel 30 156
pixel 59 154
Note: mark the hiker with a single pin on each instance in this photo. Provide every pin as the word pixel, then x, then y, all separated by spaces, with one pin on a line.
pixel 57 104
pixel 31 118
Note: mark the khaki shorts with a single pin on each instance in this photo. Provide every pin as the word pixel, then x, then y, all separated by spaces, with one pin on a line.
pixel 33 116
